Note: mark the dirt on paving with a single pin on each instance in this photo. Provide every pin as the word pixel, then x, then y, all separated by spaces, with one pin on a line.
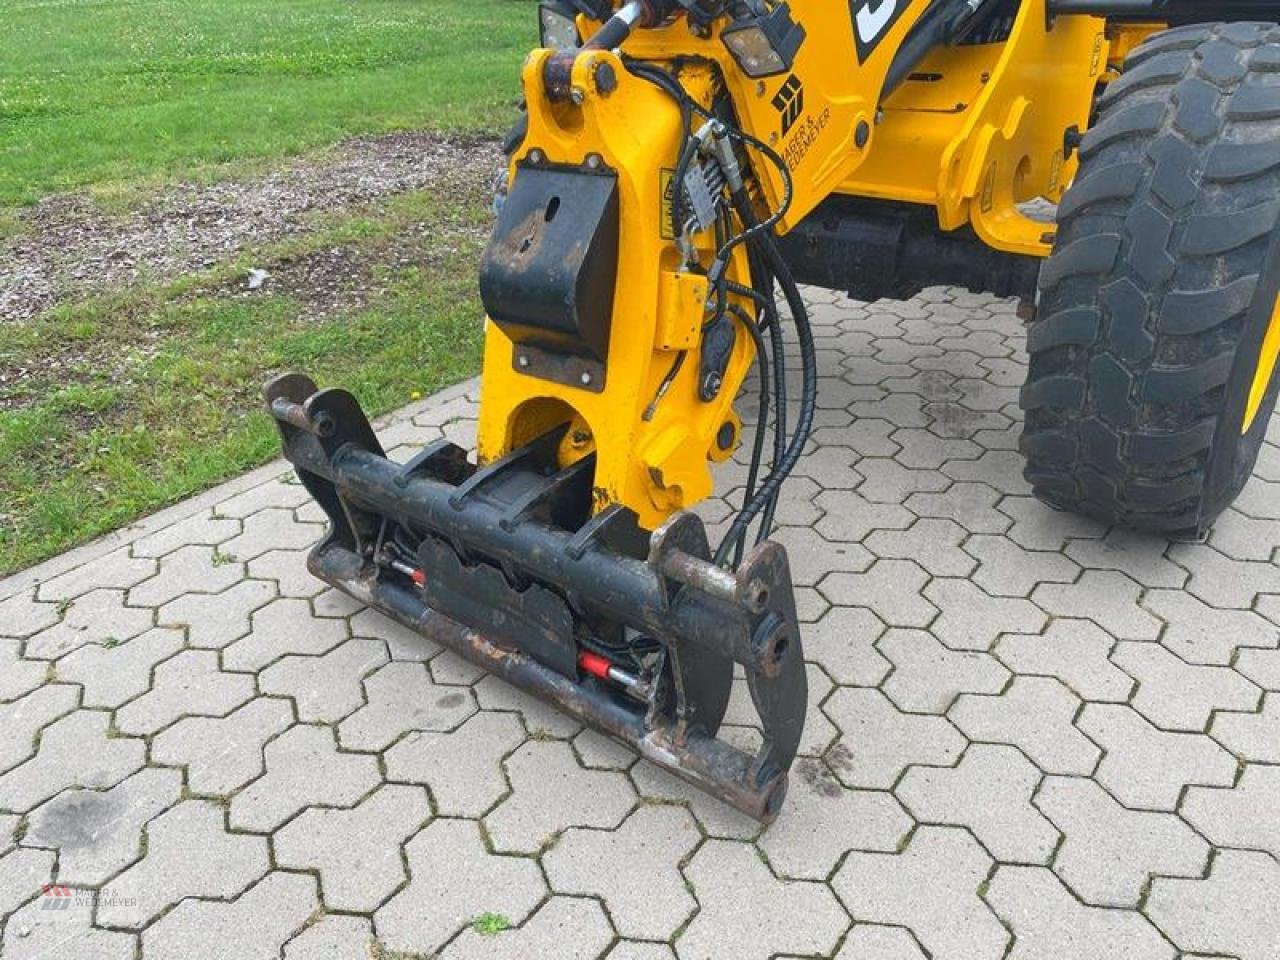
pixel 69 247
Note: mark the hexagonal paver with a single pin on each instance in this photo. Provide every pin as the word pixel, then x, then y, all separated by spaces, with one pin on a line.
pixel 1034 714
pixel 356 851
pixel 75 751
pixel 1107 598
pixel 973 620
pixel 402 697
pixel 989 791
pixel 100 617
pixel 571 928
pixel 878 741
pixel 843 644
pixel 23 875
pixel 112 675
pixel 189 684
pixel 227 864
pixel 1198 633
pixel 927 677
pixel 550 792
pixel 749 914
pixel 116 571
pixel 1049 924
pixel 273 528
pixel 192 569
pixel 18 677
pixel 304 768
pixel 1146 768
pixel 1206 916
pixel 282 627
pixel 326 688
pixel 826 819
pixel 97 833
pixel 1008 570
pixel 889 588
pixel 21 720
pixel 21 615
pixel 1076 652
pixel 222 755
pixel 333 937
pixel 1253 737
pixel 214 621
pixel 34 933
pixel 1245 816
pixel 932 889
pixel 454 881
pixel 1175 695
pixel 644 853
pixel 205 528
pixel 1108 853
pixel 254 926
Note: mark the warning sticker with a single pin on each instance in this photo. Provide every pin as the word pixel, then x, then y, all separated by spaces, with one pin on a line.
pixel 668 196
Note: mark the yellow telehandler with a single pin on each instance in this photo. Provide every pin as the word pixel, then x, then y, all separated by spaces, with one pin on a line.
pixel 681 167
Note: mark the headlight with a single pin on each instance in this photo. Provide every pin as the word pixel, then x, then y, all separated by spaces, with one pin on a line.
pixel 765 45
pixel 558 25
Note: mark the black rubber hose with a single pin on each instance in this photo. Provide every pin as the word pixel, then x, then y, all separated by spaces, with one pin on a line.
pixel 762 418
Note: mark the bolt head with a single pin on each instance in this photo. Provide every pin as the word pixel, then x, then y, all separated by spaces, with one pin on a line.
pixel 586 378
pixel 522 361
pixel 577 95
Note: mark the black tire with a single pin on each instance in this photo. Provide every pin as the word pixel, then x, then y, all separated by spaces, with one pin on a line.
pixel 1162 284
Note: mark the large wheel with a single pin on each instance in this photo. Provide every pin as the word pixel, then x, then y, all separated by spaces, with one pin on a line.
pixel 1150 384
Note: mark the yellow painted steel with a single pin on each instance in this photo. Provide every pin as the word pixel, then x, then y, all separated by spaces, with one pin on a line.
pixel 1266 369
pixel 979 130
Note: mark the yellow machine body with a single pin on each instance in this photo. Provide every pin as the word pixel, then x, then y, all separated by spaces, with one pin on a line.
pixel 976 131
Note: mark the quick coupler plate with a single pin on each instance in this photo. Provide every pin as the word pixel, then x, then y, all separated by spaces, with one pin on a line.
pixel 634 634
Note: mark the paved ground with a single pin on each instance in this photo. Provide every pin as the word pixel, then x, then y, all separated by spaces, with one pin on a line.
pixel 1030 736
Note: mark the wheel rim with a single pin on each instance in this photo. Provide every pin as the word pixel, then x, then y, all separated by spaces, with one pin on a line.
pixel 1266 368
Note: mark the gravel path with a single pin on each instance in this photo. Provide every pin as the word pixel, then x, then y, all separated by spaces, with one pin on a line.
pixel 69 247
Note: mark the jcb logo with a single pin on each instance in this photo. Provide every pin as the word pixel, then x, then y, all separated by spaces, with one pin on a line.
pixel 789 101
pixel 872 20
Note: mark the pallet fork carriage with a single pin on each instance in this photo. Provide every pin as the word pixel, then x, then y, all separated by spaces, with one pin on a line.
pixel 681 163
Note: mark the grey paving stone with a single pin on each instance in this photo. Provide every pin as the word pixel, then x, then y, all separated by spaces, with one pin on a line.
pixel 1036 528
pixel 1146 768
pixel 454 881
pixel 403 643
pixel 749 914
pixel 972 505
pixel 1109 853
pixel 227 864
pixel 96 617
pixel 850 517
pixel 1242 537
pixel 924 450
pixel 18 677
pixel 1049 924
pixel 112 675
pixel 272 528
pixel 883 943
pixel 824 819
pixel 551 792
pixel 1206 916
pixel 843 644
pixel 1244 816
pixel 627 950
pixel 97 833
pixel 1139 556
pixel 23 872
pixel 463 767
pixel 325 688
pixel 811 557
pixel 334 937
pixel 1008 570
pixel 1035 714
pixel 973 620
pixel 304 768
pixel 75 751
pixel 402 697
pixel 193 569
pixel 933 544
pixel 1260 666
pixel 22 615
pixel 717 819
pixel 188 684
pixel 22 719
pixel 1108 598
pixel 34 933
pixel 8 824
pixel 254 926
pixel 356 851
pixel 568 928
pixel 1175 695
pixel 449 669
pixel 891 589
pixel 1222 582
pixel 878 741
pixel 931 888
pixel 288 568
pixel 927 677
pixel 117 571
pixel 989 791
pixel 222 755
pixel 818 732
pixel 214 621
pixel 283 491
pixel 1076 652
pixel 282 627
pixel 1253 737
pixel 644 853
pixel 204 527
pixel 887 481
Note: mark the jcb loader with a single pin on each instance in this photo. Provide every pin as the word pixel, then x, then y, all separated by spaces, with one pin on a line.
pixel 681 167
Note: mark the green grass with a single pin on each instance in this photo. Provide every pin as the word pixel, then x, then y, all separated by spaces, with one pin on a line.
pixel 138 399
pixel 490 924
pixel 101 91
